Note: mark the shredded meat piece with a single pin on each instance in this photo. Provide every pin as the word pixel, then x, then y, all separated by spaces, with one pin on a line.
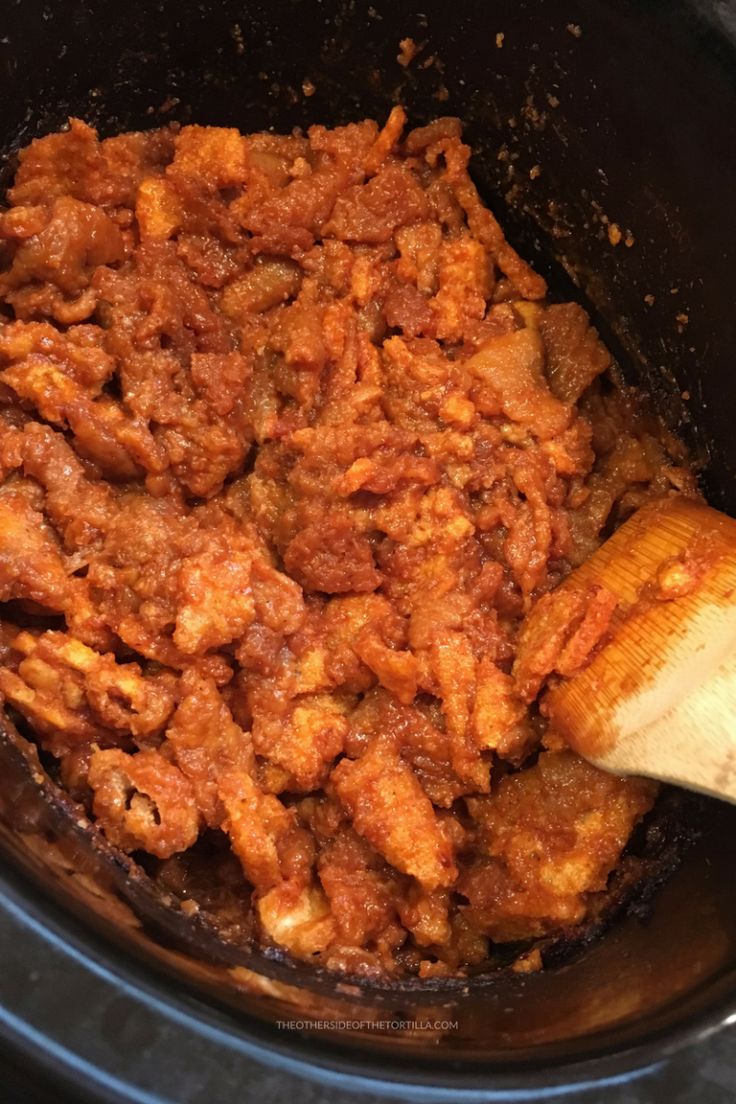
pixel 560 634
pixel 256 822
pixel 511 367
pixel 142 801
pixel 294 453
pixel 207 744
pixel 347 862
pixel 31 562
pixel 72 693
pixel 548 838
pixel 575 353
pixel 388 806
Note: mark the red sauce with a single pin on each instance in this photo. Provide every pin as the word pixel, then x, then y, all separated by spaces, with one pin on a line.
pixel 291 444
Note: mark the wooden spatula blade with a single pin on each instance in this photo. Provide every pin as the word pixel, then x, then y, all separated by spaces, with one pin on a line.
pixel 659 699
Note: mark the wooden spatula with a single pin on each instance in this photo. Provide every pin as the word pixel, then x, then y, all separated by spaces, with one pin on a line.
pixel 659 698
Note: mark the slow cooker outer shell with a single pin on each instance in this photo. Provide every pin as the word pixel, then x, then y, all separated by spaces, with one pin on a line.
pixel 108 1029
pixel 627 109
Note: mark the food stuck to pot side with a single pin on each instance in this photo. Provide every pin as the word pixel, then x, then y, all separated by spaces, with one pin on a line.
pixel 291 445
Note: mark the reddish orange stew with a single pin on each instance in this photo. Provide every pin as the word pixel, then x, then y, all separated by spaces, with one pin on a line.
pixel 291 444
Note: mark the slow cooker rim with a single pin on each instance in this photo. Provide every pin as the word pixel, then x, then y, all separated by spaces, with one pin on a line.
pixel 25 908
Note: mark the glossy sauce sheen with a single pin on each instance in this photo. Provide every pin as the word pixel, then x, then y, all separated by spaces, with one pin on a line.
pixel 291 444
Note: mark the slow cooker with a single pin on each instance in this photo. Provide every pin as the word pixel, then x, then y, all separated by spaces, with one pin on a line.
pixel 627 108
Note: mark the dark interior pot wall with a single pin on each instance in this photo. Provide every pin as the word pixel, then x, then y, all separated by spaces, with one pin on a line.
pixel 627 110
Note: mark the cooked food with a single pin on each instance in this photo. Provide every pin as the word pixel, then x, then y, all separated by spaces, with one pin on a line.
pixel 292 443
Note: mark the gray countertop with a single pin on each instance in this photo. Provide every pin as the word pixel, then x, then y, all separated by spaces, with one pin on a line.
pixel 705 1074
